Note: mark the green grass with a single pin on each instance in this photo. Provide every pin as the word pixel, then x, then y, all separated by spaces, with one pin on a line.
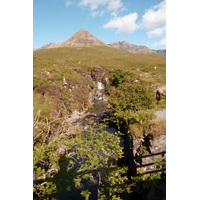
pixel 54 100
pixel 50 66
pixel 102 56
pixel 43 104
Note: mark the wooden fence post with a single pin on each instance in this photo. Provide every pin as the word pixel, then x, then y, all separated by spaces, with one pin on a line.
pixel 163 154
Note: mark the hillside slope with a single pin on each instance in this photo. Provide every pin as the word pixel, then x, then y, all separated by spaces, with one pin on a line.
pixel 79 66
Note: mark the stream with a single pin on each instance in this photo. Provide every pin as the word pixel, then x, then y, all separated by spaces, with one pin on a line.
pixel 97 112
pixel 96 115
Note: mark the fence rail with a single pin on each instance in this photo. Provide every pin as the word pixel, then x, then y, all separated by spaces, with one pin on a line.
pixel 150 164
pixel 153 171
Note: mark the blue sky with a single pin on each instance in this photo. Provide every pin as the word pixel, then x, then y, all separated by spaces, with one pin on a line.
pixel 141 22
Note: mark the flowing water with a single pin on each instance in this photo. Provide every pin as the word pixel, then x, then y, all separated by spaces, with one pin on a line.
pixel 97 113
pixel 100 110
pixel 99 86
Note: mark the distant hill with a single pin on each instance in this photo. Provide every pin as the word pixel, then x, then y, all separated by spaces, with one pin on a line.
pixel 131 47
pixel 161 52
pixel 136 48
pixel 82 38
pixel 51 45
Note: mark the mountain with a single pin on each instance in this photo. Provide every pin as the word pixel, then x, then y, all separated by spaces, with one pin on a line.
pixel 131 47
pixel 51 45
pixel 161 52
pixel 82 38
pixel 135 48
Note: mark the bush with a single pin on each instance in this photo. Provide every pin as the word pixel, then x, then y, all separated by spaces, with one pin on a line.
pixel 117 78
pixel 132 104
pixel 89 156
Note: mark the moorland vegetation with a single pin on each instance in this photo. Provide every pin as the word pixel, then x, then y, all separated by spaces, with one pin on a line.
pixel 75 160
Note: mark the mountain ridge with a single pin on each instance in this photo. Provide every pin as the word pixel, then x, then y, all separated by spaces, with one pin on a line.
pixel 131 47
pixel 161 52
pixel 83 38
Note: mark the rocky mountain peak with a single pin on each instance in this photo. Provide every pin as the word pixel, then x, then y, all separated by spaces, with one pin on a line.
pixel 82 38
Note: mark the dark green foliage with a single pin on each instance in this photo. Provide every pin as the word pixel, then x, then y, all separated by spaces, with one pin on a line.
pixel 133 97
pixel 143 183
pixel 160 163
pixel 89 156
pixel 68 162
pixel 117 78
pixel 132 103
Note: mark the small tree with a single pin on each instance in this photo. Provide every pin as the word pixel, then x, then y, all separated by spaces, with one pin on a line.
pixel 117 78
pixel 131 104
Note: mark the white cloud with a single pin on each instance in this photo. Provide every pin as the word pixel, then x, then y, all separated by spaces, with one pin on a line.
pixel 93 4
pixel 111 5
pixel 154 17
pixel 125 24
pixel 157 32
pixel 160 43
pixel 99 7
pixel 68 3
pixel 115 5
pixel 96 13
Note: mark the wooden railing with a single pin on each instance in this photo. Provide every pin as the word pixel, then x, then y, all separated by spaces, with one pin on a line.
pixel 150 164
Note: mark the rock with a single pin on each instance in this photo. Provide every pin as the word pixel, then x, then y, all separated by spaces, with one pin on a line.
pixel 160 115
pixel 161 89
pixel 46 73
pixel 64 82
pixel 136 81
pixel 75 115
pixel 98 95
pixel 100 98
pixel 62 150
pixel 107 82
